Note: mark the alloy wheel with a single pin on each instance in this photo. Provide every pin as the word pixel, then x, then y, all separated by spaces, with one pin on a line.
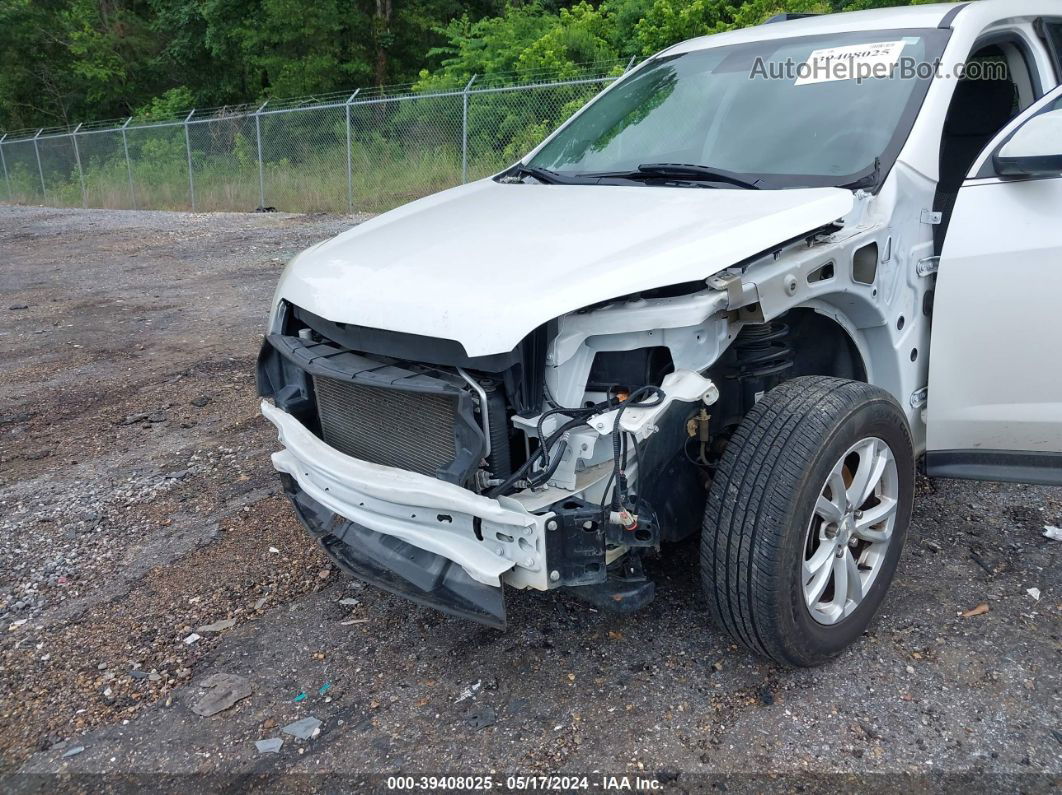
pixel 850 530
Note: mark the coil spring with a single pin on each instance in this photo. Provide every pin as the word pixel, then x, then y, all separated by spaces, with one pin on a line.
pixel 762 350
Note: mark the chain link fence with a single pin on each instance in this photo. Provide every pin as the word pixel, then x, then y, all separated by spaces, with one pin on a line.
pixel 368 151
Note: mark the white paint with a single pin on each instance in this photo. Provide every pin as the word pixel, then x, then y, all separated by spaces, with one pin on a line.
pixel 1038 137
pixel 683 385
pixel 487 263
pixel 385 499
pixel 994 371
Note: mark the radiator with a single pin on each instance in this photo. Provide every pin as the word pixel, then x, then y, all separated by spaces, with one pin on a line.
pixel 393 427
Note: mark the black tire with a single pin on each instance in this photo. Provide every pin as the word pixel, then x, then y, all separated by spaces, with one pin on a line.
pixel 762 500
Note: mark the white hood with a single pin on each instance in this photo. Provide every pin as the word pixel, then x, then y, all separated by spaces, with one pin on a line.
pixel 487 263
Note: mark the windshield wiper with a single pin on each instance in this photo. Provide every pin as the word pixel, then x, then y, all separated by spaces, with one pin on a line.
pixel 693 171
pixel 682 172
pixel 543 175
pixel 686 172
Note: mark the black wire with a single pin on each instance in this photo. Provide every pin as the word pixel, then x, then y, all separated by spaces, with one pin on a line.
pixel 535 456
pixel 541 420
pixel 604 495
pixel 619 455
pixel 547 473
pixel 582 412
pixel 579 417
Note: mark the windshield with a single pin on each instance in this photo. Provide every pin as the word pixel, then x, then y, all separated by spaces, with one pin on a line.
pixel 782 111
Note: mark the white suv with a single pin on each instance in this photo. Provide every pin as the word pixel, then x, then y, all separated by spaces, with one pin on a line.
pixel 736 295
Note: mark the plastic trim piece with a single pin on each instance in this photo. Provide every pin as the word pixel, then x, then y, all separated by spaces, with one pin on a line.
pixel 423 511
pixel 392 564
pixel 1007 466
pixel 945 23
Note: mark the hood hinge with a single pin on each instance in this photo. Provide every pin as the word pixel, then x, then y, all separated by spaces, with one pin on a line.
pixel 729 282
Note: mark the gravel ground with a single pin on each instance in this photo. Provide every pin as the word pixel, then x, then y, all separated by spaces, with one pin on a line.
pixel 138 509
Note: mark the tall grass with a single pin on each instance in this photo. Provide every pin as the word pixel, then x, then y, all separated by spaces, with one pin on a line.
pixel 398 151
pixel 376 185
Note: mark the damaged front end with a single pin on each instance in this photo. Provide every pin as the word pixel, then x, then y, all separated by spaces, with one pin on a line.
pixel 442 477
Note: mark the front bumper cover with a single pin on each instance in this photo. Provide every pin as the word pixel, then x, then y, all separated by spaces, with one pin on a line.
pixel 393 565
pixel 487 538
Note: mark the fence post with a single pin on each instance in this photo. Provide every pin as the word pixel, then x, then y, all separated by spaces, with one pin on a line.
pixel 80 171
pixel 464 129
pixel 7 177
pixel 188 146
pixel 40 170
pixel 128 163
pixel 261 167
pixel 350 170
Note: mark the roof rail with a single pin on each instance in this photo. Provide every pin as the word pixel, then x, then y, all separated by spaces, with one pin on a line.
pixel 790 15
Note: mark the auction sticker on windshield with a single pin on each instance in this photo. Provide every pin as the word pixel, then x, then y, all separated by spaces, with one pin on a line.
pixel 853 61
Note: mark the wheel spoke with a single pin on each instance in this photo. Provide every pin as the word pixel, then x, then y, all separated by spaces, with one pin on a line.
pixel 840 583
pixel 828 509
pixel 817 562
pixel 838 495
pixel 855 582
pixel 872 462
pixel 883 512
pixel 820 578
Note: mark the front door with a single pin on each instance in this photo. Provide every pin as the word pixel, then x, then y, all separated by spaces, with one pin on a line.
pixel 995 371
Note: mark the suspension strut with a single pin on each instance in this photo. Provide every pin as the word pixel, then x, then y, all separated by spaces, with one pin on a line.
pixel 763 356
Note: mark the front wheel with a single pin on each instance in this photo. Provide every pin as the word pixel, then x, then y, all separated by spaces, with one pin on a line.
pixel 806 518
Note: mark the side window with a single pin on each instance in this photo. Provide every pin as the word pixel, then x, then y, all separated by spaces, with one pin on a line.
pixel 1050 31
pixel 988 97
pixel 1012 53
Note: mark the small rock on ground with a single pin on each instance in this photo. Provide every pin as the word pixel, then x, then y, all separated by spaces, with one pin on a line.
pixel 223 691
pixel 480 717
pixel 270 746
pixel 218 626
pixel 303 729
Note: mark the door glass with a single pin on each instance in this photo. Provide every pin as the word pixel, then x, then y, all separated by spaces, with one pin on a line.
pixel 1053 35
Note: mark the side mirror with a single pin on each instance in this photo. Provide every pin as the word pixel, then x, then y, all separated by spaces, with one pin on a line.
pixel 1035 149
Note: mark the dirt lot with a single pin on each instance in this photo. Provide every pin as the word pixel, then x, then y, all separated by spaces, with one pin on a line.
pixel 138 505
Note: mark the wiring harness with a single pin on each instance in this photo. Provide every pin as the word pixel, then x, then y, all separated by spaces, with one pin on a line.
pixel 549 458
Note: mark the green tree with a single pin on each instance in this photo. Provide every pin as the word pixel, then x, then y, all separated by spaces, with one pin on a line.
pixel 63 61
pixel 168 105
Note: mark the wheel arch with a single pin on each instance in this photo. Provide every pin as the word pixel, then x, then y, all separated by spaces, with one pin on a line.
pixel 827 342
